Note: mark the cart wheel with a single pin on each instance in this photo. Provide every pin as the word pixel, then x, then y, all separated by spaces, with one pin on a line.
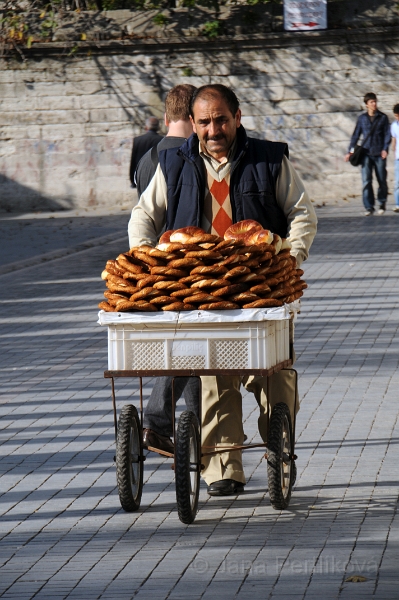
pixel 187 466
pixel 129 459
pixel 281 468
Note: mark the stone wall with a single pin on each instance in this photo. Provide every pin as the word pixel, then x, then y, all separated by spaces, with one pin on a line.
pixel 67 122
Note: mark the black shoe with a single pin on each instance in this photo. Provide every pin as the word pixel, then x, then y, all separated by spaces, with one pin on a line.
pixel 156 440
pixel 225 487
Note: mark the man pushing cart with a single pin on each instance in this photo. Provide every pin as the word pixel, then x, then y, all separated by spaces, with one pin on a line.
pixel 220 177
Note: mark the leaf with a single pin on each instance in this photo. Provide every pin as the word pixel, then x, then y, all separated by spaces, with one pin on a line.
pixel 29 42
pixel 83 37
pixel 356 579
pixel 43 14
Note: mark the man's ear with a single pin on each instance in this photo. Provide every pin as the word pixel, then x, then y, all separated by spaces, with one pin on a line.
pixel 165 120
pixel 238 118
pixel 193 124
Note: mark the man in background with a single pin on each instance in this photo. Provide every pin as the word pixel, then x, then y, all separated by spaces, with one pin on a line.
pixel 395 148
pixel 157 420
pixel 142 144
pixel 373 125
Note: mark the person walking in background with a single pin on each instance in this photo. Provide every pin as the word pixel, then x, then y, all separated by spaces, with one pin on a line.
pixel 143 143
pixel 395 148
pixel 373 125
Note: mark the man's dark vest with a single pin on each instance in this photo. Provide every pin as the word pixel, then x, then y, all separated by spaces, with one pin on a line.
pixel 254 171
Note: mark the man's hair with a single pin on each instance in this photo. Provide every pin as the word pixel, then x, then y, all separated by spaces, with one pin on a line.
pixel 369 96
pixel 216 90
pixel 177 103
pixel 396 109
pixel 152 124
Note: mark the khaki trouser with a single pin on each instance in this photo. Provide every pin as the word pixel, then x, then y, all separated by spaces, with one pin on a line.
pixel 222 417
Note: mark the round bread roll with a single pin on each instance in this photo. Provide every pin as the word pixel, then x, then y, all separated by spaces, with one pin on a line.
pixel 185 263
pixel 211 270
pixel 210 283
pixel 277 243
pixel 177 306
pixel 150 280
pixel 260 236
pixel 184 234
pixel 264 303
pixel 171 286
pixel 165 237
pixel 240 230
pixel 235 288
pixel 198 298
pixel 237 272
pixel 146 293
pixel 169 272
pixel 106 307
pixel 244 298
pixel 219 306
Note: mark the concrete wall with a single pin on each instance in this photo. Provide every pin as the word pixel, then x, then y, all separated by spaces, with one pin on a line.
pixel 66 123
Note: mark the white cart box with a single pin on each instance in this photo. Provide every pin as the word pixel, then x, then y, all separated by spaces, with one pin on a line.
pixel 236 339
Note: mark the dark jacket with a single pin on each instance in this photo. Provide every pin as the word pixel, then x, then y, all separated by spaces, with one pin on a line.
pixel 148 164
pixel 141 145
pixel 380 138
pixel 254 171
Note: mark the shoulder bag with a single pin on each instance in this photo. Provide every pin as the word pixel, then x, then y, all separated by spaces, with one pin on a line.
pixel 356 157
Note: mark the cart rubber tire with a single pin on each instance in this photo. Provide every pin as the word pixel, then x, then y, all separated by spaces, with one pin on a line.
pixel 187 466
pixel 129 459
pixel 281 468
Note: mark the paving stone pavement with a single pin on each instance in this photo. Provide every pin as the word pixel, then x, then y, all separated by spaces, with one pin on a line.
pixel 62 531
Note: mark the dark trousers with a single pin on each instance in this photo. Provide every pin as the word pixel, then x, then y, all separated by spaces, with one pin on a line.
pixel 158 413
pixel 379 165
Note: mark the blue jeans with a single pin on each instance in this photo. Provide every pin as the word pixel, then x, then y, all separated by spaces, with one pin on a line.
pixel 396 191
pixel 380 169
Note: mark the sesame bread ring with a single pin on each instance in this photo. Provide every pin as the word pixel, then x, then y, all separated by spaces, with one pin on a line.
pixel 277 243
pixel 183 293
pixel 164 255
pixel 162 300
pixel 244 298
pixel 106 307
pixel 126 306
pixel 169 247
pixel 105 274
pixel 204 254
pixel 240 230
pixel 199 297
pixel 211 270
pixel 147 293
pixel 264 268
pixel 135 276
pixel 218 306
pixel 264 303
pixel 126 288
pixel 193 278
pixel 165 237
pixel 129 266
pixel 272 281
pixel 235 288
pixel 149 260
pixel 168 271
pixel 113 267
pixel 237 272
pixel 265 256
pixel 234 259
pixel 114 298
pixel 205 238
pixel 184 234
pixel 251 278
pixel 283 264
pixel 178 306
pixel 252 263
pixel 171 286
pixel 261 288
pixel 228 245
pixel 299 272
pixel 185 263
pixel 284 291
pixel 210 283
pixel 150 280
pixel 116 279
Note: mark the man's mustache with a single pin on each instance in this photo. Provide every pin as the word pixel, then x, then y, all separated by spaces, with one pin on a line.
pixel 216 138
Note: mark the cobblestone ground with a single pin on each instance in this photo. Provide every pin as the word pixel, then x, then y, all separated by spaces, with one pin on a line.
pixel 63 533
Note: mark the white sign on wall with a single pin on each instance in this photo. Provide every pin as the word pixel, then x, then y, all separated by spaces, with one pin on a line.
pixel 305 15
